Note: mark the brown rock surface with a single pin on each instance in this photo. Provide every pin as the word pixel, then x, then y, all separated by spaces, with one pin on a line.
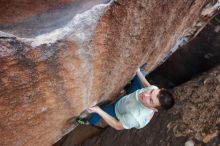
pixel 51 69
pixel 196 116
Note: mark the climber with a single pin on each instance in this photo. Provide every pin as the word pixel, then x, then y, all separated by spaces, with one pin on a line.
pixel 136 108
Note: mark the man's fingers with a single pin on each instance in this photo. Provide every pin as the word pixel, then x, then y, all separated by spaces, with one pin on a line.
pixel 90 110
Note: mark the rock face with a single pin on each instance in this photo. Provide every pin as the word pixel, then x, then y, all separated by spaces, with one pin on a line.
pixel 59 57
pixel 194 119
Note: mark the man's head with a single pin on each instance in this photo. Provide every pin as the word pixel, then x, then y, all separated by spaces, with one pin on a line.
pixel 157 99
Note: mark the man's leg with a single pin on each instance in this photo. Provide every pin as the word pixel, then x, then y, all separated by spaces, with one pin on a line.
pixel 135 85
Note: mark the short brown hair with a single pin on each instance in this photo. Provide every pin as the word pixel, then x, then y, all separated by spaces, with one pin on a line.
pixel 166 99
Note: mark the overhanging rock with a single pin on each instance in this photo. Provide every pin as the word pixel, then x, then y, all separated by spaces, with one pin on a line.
pixel 60 57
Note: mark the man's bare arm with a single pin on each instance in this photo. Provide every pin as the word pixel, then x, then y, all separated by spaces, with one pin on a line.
pixel 107 118
pixel 142 78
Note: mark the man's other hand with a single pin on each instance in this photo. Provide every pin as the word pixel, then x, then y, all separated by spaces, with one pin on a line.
pixel 138 70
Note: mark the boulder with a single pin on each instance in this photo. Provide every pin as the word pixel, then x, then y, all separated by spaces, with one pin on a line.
pixel 59 57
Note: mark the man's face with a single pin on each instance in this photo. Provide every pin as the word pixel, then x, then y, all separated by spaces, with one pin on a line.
pixel 149 98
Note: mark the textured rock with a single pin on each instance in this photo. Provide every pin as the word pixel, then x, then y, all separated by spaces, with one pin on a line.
pixel 195 117
pixel 59 57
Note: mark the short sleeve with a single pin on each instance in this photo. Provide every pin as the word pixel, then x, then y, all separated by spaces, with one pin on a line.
pixel 129 122
pixel 146 120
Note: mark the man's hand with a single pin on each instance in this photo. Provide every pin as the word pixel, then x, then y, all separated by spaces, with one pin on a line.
pixel 107 118
pixel 142 78
pixel 93 109
pixel 138 70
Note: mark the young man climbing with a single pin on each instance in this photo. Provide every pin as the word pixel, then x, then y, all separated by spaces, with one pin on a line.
pixel 136 108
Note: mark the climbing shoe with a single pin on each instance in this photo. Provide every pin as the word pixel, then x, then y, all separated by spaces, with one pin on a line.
pixel 82 121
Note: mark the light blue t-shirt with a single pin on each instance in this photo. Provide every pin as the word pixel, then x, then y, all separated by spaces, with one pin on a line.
pixel 131 112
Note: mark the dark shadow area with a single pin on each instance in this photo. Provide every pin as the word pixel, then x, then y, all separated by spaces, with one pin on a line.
pixel 78 135
pixel 199 55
